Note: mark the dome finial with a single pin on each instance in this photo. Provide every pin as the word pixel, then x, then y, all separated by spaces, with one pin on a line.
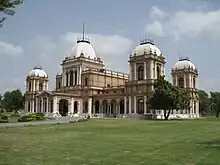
pixel 83 31
pixel 83 38
pixel 182 58
pixel 146 40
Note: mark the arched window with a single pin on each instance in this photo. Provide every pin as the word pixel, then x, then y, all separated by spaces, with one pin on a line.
pixel 140 106
pixel 194 82
pixel 59 84
pixel 140 73
pixel 71 78
pixel 29 106
pixel 85 109
pixel 75 78
pixel 158 71
pixel 29 86
pixel 41 87
pixel 86 81
pixel 181 82
pixel 51 106
pixel 67 79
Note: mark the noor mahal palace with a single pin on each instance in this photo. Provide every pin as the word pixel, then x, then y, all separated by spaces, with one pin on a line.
pixel 85 87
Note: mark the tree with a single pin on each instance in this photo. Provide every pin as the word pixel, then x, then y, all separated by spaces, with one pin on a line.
pixel 7 7
pixel 204 101
pixel 13 100
pixel 215 103
pixel 163 97
pixel 167 97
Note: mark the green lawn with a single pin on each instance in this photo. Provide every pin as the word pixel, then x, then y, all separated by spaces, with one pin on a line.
pixel 113 142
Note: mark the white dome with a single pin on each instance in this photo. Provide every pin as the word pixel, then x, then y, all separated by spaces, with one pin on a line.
pixel 37 72
pixel 146 48
pixel 84 47
pixel 184 63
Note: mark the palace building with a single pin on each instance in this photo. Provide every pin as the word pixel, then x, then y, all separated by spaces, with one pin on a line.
pixel 85 87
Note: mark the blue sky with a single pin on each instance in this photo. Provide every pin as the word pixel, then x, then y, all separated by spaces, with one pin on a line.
pixel 43 31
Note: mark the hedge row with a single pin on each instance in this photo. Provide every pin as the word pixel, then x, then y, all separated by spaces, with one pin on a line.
pixel 32 117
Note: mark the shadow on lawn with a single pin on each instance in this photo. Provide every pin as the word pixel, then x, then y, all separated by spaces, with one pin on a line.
pixel 214 144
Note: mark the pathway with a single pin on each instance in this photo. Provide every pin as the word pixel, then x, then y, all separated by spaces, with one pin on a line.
pixel 57 120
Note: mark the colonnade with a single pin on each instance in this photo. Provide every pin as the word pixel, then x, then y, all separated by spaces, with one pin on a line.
pixel 127 105
pixel 189 80
pixel 150 70
pixel 72 77
pixel 36 85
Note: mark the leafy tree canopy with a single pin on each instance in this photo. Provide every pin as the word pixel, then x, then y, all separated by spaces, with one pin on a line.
pixel 13 100
pixel 204 101
pixel 7 7
pixel 166 97
pixel 215 102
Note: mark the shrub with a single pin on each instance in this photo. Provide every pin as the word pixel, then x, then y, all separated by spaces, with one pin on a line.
pixel 32 117
pixel 3 121
pixel 4 117
pixel 88 117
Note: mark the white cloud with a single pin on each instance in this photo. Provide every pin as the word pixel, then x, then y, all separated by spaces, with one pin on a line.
pixel 184 24
pixel 157 13
pixel 9 49
pixel 104 44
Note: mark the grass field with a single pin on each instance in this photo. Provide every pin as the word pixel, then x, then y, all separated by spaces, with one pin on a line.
pixel 113 142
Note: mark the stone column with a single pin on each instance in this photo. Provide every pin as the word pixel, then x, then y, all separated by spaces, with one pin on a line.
pixel 36 108
pixel 189 81
pixel 184 80
pixel 69 79
pixel 197 108
pixel 47 104
pixel 176 81
pixel 100 108
pixel 135 72
pixel 151 70
pixel 37 85
pixel 145 71
pixel 125 105
pixel 90 106
pixel 32 106
pixel 155 70
pixel 135 104
pixel 80 73
pixel 72 106
pixel 129 99
pixel 145 104
pixel 63 78
pixel 130 72
pixel 55 109
pixel 42 104
pixel 74 77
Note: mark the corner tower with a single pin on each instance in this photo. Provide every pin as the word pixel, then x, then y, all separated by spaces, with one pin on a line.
pixel 185 75
pixel 146 62
pixel 36 82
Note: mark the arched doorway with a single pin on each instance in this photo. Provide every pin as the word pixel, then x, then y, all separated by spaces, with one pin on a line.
pixel 140 106
pixel 122 110
pixel 63 107
pixel 85 109
pixel 96 106
pixel 75 106
pixel 105 106
pixel 113 107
